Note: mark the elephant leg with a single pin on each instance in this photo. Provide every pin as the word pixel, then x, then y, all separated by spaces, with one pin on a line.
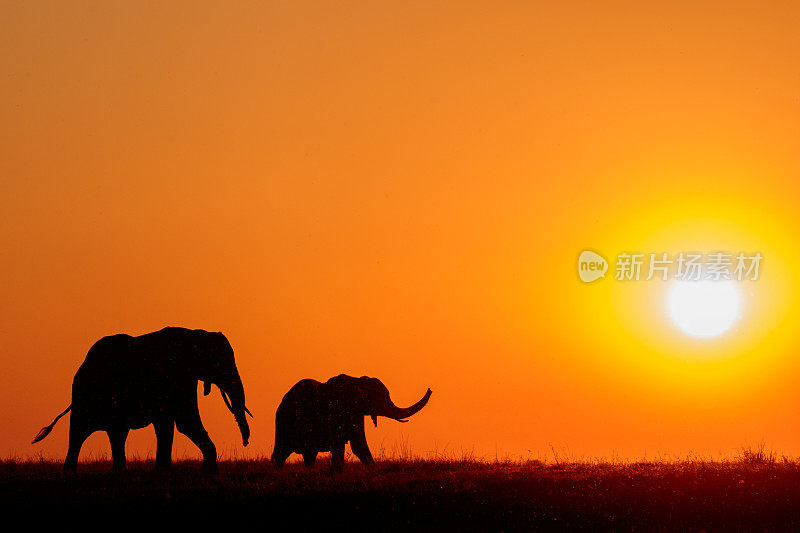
pixel 117 436
pixel 309 458
pixel 282 449
pixel 165 432
pixel 361 450
pixel 279 456
pixel 78 432
pixel 190 425
pixel 337 457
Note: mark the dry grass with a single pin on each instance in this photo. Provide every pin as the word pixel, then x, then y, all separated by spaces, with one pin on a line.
pixel 758 455
pixel 754 490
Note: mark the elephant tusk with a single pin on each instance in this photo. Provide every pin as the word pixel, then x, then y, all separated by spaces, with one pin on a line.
pixel 225 399
pixel 246 410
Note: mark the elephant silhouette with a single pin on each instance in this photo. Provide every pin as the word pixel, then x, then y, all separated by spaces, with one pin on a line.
pixel 130 382
pixel 318 417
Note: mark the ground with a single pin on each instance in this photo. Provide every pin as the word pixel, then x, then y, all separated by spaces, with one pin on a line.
pixel 688 495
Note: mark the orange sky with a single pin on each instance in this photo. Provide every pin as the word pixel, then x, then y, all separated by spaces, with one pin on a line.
pixel 401 190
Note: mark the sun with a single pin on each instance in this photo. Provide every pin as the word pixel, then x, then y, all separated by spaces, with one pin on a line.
pixel 704 308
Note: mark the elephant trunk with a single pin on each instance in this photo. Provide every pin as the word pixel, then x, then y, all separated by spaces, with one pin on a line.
pixel 233 396
pixel 392 411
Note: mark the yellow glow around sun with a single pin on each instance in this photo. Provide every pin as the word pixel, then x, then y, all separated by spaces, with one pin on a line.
pixel 704 308
pixel 661 336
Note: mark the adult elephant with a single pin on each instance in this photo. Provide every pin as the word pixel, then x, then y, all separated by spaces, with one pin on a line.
pixel 130 382
pixel 318 417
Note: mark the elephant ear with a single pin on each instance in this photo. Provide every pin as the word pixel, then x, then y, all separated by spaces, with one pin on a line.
pixel 206 388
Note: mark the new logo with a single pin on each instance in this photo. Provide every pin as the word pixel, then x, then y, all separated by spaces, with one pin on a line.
pixel 591 266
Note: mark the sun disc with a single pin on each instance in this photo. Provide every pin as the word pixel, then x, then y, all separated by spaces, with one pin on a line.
pixel 704 308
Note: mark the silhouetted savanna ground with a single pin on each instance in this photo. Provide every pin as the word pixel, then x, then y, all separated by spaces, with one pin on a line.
pixel 756 491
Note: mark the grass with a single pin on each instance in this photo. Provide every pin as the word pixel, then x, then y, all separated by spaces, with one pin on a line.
pixel 756 490
pixel 758 455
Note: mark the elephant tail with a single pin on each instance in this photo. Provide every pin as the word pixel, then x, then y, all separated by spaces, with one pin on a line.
pixel 45 431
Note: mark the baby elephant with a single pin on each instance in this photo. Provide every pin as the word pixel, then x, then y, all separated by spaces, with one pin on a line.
pixel 318 417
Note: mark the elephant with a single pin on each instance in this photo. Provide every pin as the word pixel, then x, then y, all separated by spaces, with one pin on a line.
pixel 318 417
pixel 130 382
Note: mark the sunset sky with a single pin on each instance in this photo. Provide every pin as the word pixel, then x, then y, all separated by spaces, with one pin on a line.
pixel 402 190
